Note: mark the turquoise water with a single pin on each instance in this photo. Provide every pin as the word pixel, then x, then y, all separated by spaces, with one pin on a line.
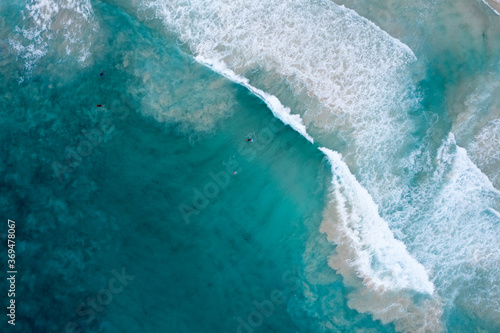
pixel 151 213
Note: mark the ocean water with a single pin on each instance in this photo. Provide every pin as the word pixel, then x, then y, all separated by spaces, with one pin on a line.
pixel 368 200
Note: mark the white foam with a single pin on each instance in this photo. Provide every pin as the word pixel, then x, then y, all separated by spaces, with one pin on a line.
pixel 370 259
pixel 454 229
pixel 354 79
pixel 368 236
pixel 281 112
pixel 351 77
pixel 42 12
pixel 329 52
pixel 493 9
pixel 69 23
pixel 476 122
pixel 484 150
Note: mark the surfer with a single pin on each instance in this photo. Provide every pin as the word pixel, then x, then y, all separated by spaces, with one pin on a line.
pixel 249 140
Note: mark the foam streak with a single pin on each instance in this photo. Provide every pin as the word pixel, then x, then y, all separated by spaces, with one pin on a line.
pixel 385 276
pixel 279 110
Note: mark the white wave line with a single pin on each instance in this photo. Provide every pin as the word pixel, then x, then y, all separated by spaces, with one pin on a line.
pixel 279 110
pixel 369 235
pixel 493 9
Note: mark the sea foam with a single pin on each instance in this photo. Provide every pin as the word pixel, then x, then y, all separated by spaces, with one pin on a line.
pixel 385 276
pixel 492 6
pixel 356 73
pixel 69 22
pixel 350 76
pixel 455 230
pixel 279 111
pixel 355 81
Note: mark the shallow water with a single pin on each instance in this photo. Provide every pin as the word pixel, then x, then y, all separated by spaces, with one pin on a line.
pixel 392 226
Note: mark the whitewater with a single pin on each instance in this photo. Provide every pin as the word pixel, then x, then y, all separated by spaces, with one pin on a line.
pixel 408 229
pixel 356 80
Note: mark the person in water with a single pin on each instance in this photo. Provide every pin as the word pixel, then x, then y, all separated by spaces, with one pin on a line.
pixel 102 73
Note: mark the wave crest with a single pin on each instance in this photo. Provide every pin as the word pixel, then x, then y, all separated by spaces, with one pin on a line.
pixel 385 277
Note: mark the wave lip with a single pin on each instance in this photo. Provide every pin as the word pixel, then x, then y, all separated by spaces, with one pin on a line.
pixel 279 110
pixel 492 6
pixel 347 69
pixel 385 276
pixel 377 255
pixel 459 206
